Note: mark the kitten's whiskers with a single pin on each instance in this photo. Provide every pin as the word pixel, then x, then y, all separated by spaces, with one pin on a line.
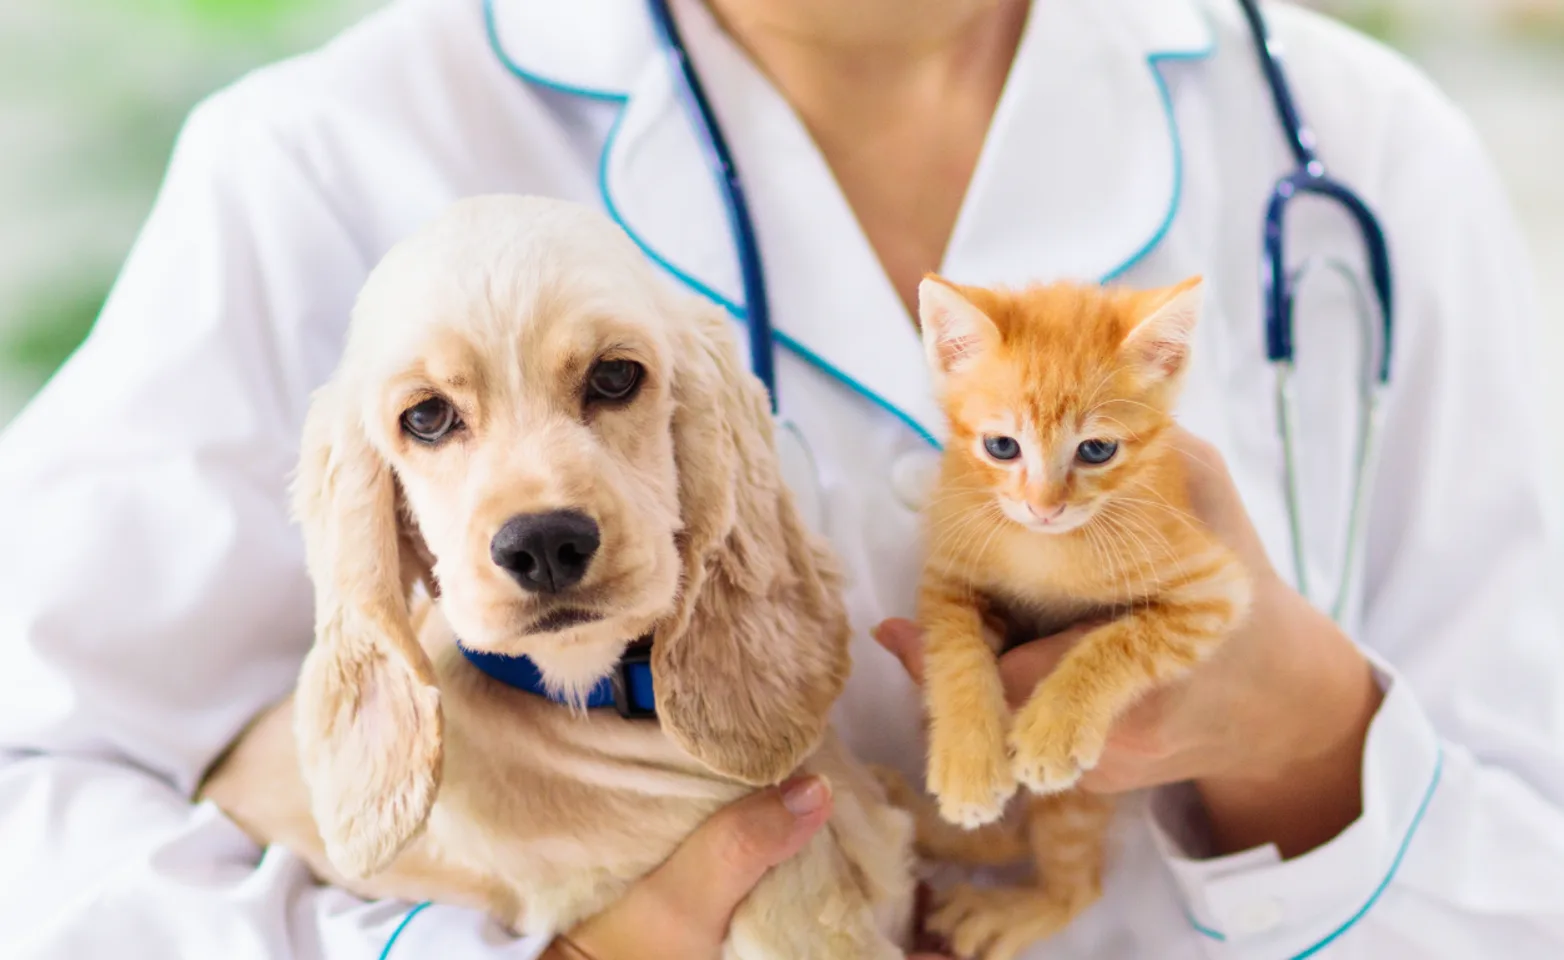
pixel 1134 525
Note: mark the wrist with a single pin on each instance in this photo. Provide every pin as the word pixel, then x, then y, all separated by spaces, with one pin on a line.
pixel 1302 784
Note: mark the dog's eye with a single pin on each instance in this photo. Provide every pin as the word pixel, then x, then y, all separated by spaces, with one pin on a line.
pixel 431 420
pixel 613 380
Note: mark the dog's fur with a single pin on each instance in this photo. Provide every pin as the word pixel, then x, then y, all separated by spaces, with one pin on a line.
pixel 397 769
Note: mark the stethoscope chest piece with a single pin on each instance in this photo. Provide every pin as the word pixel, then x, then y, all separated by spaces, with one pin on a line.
pixel 800 473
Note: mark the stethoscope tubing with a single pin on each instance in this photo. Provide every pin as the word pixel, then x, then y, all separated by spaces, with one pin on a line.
pixel 1371 391
pixel 1278 290
pixel 757 304
pixel 1300 136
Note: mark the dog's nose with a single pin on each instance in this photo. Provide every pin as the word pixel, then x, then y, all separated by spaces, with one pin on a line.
pixel 546 552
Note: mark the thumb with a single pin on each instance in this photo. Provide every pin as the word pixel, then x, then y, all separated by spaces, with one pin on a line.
pixel 716 867
pixel 904 640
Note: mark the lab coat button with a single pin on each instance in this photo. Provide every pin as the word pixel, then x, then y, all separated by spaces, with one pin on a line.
pixel 1256 917
pixel 913 475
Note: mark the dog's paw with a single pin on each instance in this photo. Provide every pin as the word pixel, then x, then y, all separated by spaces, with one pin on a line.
pixel 971 778
pixel 997 923
pixel 1053 748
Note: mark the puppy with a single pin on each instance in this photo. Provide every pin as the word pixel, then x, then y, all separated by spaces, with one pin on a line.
pixel 567 453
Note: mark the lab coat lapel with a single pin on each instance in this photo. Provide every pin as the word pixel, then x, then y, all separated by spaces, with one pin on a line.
pixel 1080 176
pixel 590 48
pixel 653 177
pixel 659 185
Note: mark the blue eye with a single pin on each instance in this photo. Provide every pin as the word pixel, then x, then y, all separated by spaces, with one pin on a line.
pixel 1002 448
pixel 1095 452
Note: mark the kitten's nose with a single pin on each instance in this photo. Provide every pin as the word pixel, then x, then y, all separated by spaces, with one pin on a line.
pixel 1046 514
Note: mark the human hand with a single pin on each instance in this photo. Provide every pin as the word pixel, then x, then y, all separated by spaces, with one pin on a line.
pixel 681 910
pixel 1270 729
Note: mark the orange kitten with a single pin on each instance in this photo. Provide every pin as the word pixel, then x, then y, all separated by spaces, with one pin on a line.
pixel 1060 501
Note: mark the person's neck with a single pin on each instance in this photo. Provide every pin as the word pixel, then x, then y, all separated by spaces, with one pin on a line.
pixel 841 63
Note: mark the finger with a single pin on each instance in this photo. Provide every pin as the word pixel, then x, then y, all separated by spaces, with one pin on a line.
pixel 904 640
pixel 716 867
pixel 1205 470
pixel 1215 498
pixel 1022 668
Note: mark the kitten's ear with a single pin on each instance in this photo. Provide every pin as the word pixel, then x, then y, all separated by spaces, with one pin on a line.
pixel 1159 344
pixel 955 331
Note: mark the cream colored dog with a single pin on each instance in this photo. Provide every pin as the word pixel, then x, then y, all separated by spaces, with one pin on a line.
pixel 567 452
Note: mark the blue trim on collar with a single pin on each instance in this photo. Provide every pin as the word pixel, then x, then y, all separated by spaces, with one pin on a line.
pixel 858 388
pixel 493 31
pixel 1154 62
pixel 629 689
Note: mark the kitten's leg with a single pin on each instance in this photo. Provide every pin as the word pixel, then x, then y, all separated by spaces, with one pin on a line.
pixel 1069 839
pixel 1068 836
pixel 992 845
pixel 1062 729
pixel 969 767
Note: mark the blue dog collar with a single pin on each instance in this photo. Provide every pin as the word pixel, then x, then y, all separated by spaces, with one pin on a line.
pixel 628 689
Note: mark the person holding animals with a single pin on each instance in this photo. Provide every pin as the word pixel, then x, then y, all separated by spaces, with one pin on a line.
pixel 1374 771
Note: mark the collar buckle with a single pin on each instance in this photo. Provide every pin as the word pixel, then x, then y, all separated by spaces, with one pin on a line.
pixel 636 659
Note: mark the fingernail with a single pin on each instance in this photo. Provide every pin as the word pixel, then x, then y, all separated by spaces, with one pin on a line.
pixel 805 795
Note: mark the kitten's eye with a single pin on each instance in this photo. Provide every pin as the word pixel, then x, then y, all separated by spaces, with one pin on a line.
pixel 613 381
pixel 431 420
pixel 1096 452
pixel 1002 448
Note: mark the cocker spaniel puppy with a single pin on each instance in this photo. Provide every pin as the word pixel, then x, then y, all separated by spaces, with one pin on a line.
pixel 570 457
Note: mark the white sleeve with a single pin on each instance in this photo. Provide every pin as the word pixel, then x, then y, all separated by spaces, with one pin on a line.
pixel 106 861
pixel 153 596
pixel 1460 849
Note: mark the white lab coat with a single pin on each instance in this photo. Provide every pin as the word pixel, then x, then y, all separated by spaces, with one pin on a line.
pixel 153 596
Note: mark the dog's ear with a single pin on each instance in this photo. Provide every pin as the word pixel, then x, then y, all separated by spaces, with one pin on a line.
pixel 367 710
pixel 746 672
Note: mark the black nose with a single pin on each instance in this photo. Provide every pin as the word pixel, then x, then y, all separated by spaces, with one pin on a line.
pixel 546 552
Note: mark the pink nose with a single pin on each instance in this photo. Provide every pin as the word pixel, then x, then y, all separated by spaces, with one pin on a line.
pixel 1048 514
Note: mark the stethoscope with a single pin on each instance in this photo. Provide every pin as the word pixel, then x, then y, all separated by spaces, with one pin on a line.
pixel 1280 286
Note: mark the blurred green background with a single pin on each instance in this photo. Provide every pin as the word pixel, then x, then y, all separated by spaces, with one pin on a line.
pixel 92 93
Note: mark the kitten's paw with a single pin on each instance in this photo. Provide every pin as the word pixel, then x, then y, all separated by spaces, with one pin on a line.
pixel 1053 748
pixel 997 923
pixel 971 779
